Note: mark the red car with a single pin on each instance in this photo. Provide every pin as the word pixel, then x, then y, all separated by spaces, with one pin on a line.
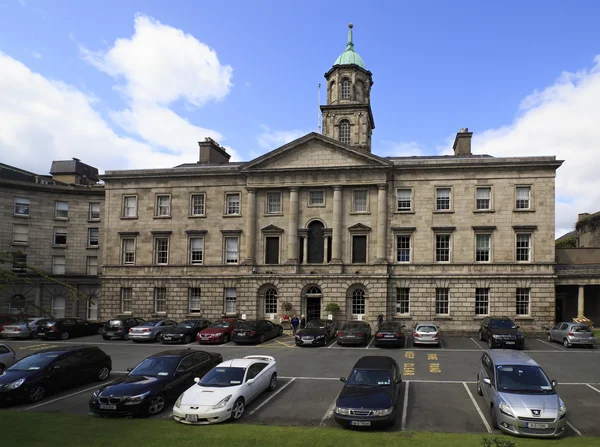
pixel 218 332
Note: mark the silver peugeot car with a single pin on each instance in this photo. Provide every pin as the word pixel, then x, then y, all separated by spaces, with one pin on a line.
pixel 520 397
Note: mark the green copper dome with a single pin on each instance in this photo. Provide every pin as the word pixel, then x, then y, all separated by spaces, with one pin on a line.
pixel 349 56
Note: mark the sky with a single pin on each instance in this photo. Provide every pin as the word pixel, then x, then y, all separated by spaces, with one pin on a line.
pixel 136 84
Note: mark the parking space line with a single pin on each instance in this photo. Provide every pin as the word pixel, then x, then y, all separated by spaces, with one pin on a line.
pixel 574 429
pixel 329 411
pixel 595 389
pixel 372 339
pixel 405 407
pixel 483 419
pixel 405 341
pixel 478 345
pixel 284 344
pixel 554 346
pixel 65 397
pixel 310 378
pixel 272 396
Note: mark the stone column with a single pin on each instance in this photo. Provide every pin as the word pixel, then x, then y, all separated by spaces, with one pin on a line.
pixel 325 239
pixel 251 227
pixel 580 301
pixel 381 224
pixel 293 227
pixel 305 249
pixel 336 244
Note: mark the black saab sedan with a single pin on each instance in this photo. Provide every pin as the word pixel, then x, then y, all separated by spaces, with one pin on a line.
pixel 157 380
pixel 65 328
pixel 316 333
pixel 39 374
pixel 370 393
pixel 255 331
pixel 185 332
pixel 390 333
pixel 354 332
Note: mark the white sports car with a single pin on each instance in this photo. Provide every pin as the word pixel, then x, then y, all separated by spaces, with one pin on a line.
pixel 225 390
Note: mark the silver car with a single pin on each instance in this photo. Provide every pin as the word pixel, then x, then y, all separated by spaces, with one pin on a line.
pixel 426 334
pixel 150 330
pixel 24 328
pixel 7 357
pixel 572 334
pixel 520 397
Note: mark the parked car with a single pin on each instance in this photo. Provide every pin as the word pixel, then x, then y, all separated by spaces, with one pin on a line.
pixel 225 391
pixel 501 332
pixel 39 374
pixel 27 328
pixel 370 393
pixel 151 330
pixel 519 396
pixel 119 327
pixel 316 333
pixel 255 331
pixel 218 332
pixel 354 332
pixel 185 332
pixel 65 328
pixel 157 380
pixel 7 357
pixel 390 333
pixel 572 334
pixel 6 319
pixel 426 334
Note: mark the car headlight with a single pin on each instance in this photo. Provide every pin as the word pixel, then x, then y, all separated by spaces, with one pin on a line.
pixel 383 412
pixel 96 393
pixel 320 336
pixel 505 408
pixel 135 400
pixel 344 411
pixel 222 403
pixel 16 384
pixel 298 336
pixel 178 401
pixel 496 336
pixel 562 410
pixel 218 334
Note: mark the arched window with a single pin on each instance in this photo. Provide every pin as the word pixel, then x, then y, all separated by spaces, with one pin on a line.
pixel 314 290
pixel 345 132
pixel 345 89
pixel 270 301
pixel 17 305
pixel 58 307
pixel 92 308
pixel 315 243
pixel 358 302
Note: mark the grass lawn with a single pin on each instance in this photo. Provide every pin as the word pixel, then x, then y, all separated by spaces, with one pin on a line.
pixel 597 332
pixel 48 429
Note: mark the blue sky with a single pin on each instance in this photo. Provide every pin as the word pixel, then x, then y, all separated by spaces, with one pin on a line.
pixel 76 82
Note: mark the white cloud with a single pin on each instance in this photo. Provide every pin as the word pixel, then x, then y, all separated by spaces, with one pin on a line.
pixel 402 149
pixel 36 55
pixel 272 139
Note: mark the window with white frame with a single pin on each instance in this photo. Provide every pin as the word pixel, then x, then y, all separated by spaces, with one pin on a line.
pixel 58 265
pixel 345 89
pixel 58 306
pixel 442 301
pixel 483 198
pixel 442 199
pixel 163 205
pixel 232 204
pixel 273 203
pixel 359 200
pixel 20 234
pixel 126 299
pixel 18 263
pixel 442 248
pixel 403 248
pixel 160 299
pixel 344 132
pixel 92 308
pixel 404 197
pixel 161 250
pixel 482 247
pixel 359 302
pixel 196 250
pixel 523 247
pixel 128 250
pixel 61 210
pixel 316 198
pixel 403 300
pixel 523 197
pixel 270 301
pixel 92 265
pixel 482 301
pixel 523 301
pixel 94 211
pixel 21 206
pixel 198 205
pixel 194 296
pixel 129 206
pixel 93 236
pixel 60 236
pixel 230 300
pixel 232 251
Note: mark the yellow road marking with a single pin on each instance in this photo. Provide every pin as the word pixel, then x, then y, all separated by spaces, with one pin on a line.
pixel 282 343
pixel 39 346
pixel 434 368
pixel 409 369
pixel 409 355
pixel 432 357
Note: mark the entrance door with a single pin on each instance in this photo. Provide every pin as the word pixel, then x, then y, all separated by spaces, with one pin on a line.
pixel 313 309
pixel 559 311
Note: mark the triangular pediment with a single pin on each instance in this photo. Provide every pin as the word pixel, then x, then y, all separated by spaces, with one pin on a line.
pixel 359 228
pixel 272 229
pixel 314 151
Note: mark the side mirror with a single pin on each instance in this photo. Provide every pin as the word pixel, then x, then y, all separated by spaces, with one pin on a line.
pixel 129 370
pixel 250 381
pixel 56 367
pixel 487 381
pixel 196 379
pixel 343 379
pixel 554 383
pixel 518 327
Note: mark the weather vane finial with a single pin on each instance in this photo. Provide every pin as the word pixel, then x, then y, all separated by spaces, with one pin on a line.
pixel 350 43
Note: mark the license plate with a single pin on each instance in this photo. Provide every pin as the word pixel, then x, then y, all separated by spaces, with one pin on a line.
pixel 350 336
pixel 108 407
pixel 204 338
pixel 510 342
pixel 110 334
pixel 166 338
pixel 361 423
pixel 242 334
pixel 389 336
pixel 191 417
pixel 536 425
pixel 307 338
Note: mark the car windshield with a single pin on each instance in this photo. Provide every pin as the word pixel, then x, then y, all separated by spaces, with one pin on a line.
pixel 150 323
pixel 523 379
pixel 114 322
pixel 389 327
pixel 33 363
pixel 426 329
pixel 369 377
pixel 156 366
pixel 357 325
pixel 502 324
pixel 316 324
pixel 220 324
pixel 50 323
pixel 581 329
pixel 246 325
pixel 187 324
pixel 223 377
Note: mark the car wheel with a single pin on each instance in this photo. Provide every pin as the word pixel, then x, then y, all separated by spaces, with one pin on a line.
pixel 156 404
pixel 187 339
pixel 126 336
pixel 262 339
pixel 99 331
pixel 493 418
pixel 280 332
pixel 227 338
pixel 64 335
pixel 238 409
pixel 36 393
pixel 491 342
pixel 104 337
pixel 32 334
pixel 566 343
pixel 103 373
pixel 550 338
pixel 479 390
pixel 158 337
pixel 273 382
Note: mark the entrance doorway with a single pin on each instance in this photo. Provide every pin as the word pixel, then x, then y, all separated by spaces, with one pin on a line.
pixel 313 309
pixel 558 311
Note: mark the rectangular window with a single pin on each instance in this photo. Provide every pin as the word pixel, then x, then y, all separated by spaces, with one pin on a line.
pixel 442 301
pixel 92 265
pixel 442 248
pixel 196 250
pixel 161 250
pixel 404 200
pixel 20 234
pixel 402 248
pixel 483 198
pixel 523 247
pixel 198 205
pixel 128 250
pixel 194 300
pixel 60 236
pixel 230 300
pixel 482 301
pixel 359 249
pixel 130 206
pixel 19 261
pixel 523 302
pixel 232 250
pixel 93 236
pixel 359 303
pixel 58 265
pixel 61 210
pixel 442 199
pixel 271 251
pixel 126 299
pixel 270 302
pixel 523 196
pixel 359 200
pixel 21 206
pixel 232 204
pixel 482 250
pixel 163 205
pixel 403 300
pixel 273 203
pixel 316 198
pixel 160 299
pixel 94 212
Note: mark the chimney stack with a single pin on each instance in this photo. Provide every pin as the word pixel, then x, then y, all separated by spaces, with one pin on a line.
pixel 462 143
pixel 211 153
pixel 582 216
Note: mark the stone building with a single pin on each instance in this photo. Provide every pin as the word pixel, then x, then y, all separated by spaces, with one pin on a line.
pixel 324 220
pixel 53 226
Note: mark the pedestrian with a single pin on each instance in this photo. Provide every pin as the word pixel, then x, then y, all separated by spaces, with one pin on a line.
pixel 302 322
pixel 295 322
pixel 380 319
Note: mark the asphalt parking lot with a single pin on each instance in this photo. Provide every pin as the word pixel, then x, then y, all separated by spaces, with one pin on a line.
pixel 438 393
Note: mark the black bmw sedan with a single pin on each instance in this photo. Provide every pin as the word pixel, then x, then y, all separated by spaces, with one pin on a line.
pixel 65 328
pixel 157 380
pixel 185 332
pixel 370 393
pixel 354 332
pixel 316 333
pixel 255 331
pixel 390 333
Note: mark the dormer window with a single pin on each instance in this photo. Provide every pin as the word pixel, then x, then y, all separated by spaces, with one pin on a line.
pixel 345 89
pixel 345 132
